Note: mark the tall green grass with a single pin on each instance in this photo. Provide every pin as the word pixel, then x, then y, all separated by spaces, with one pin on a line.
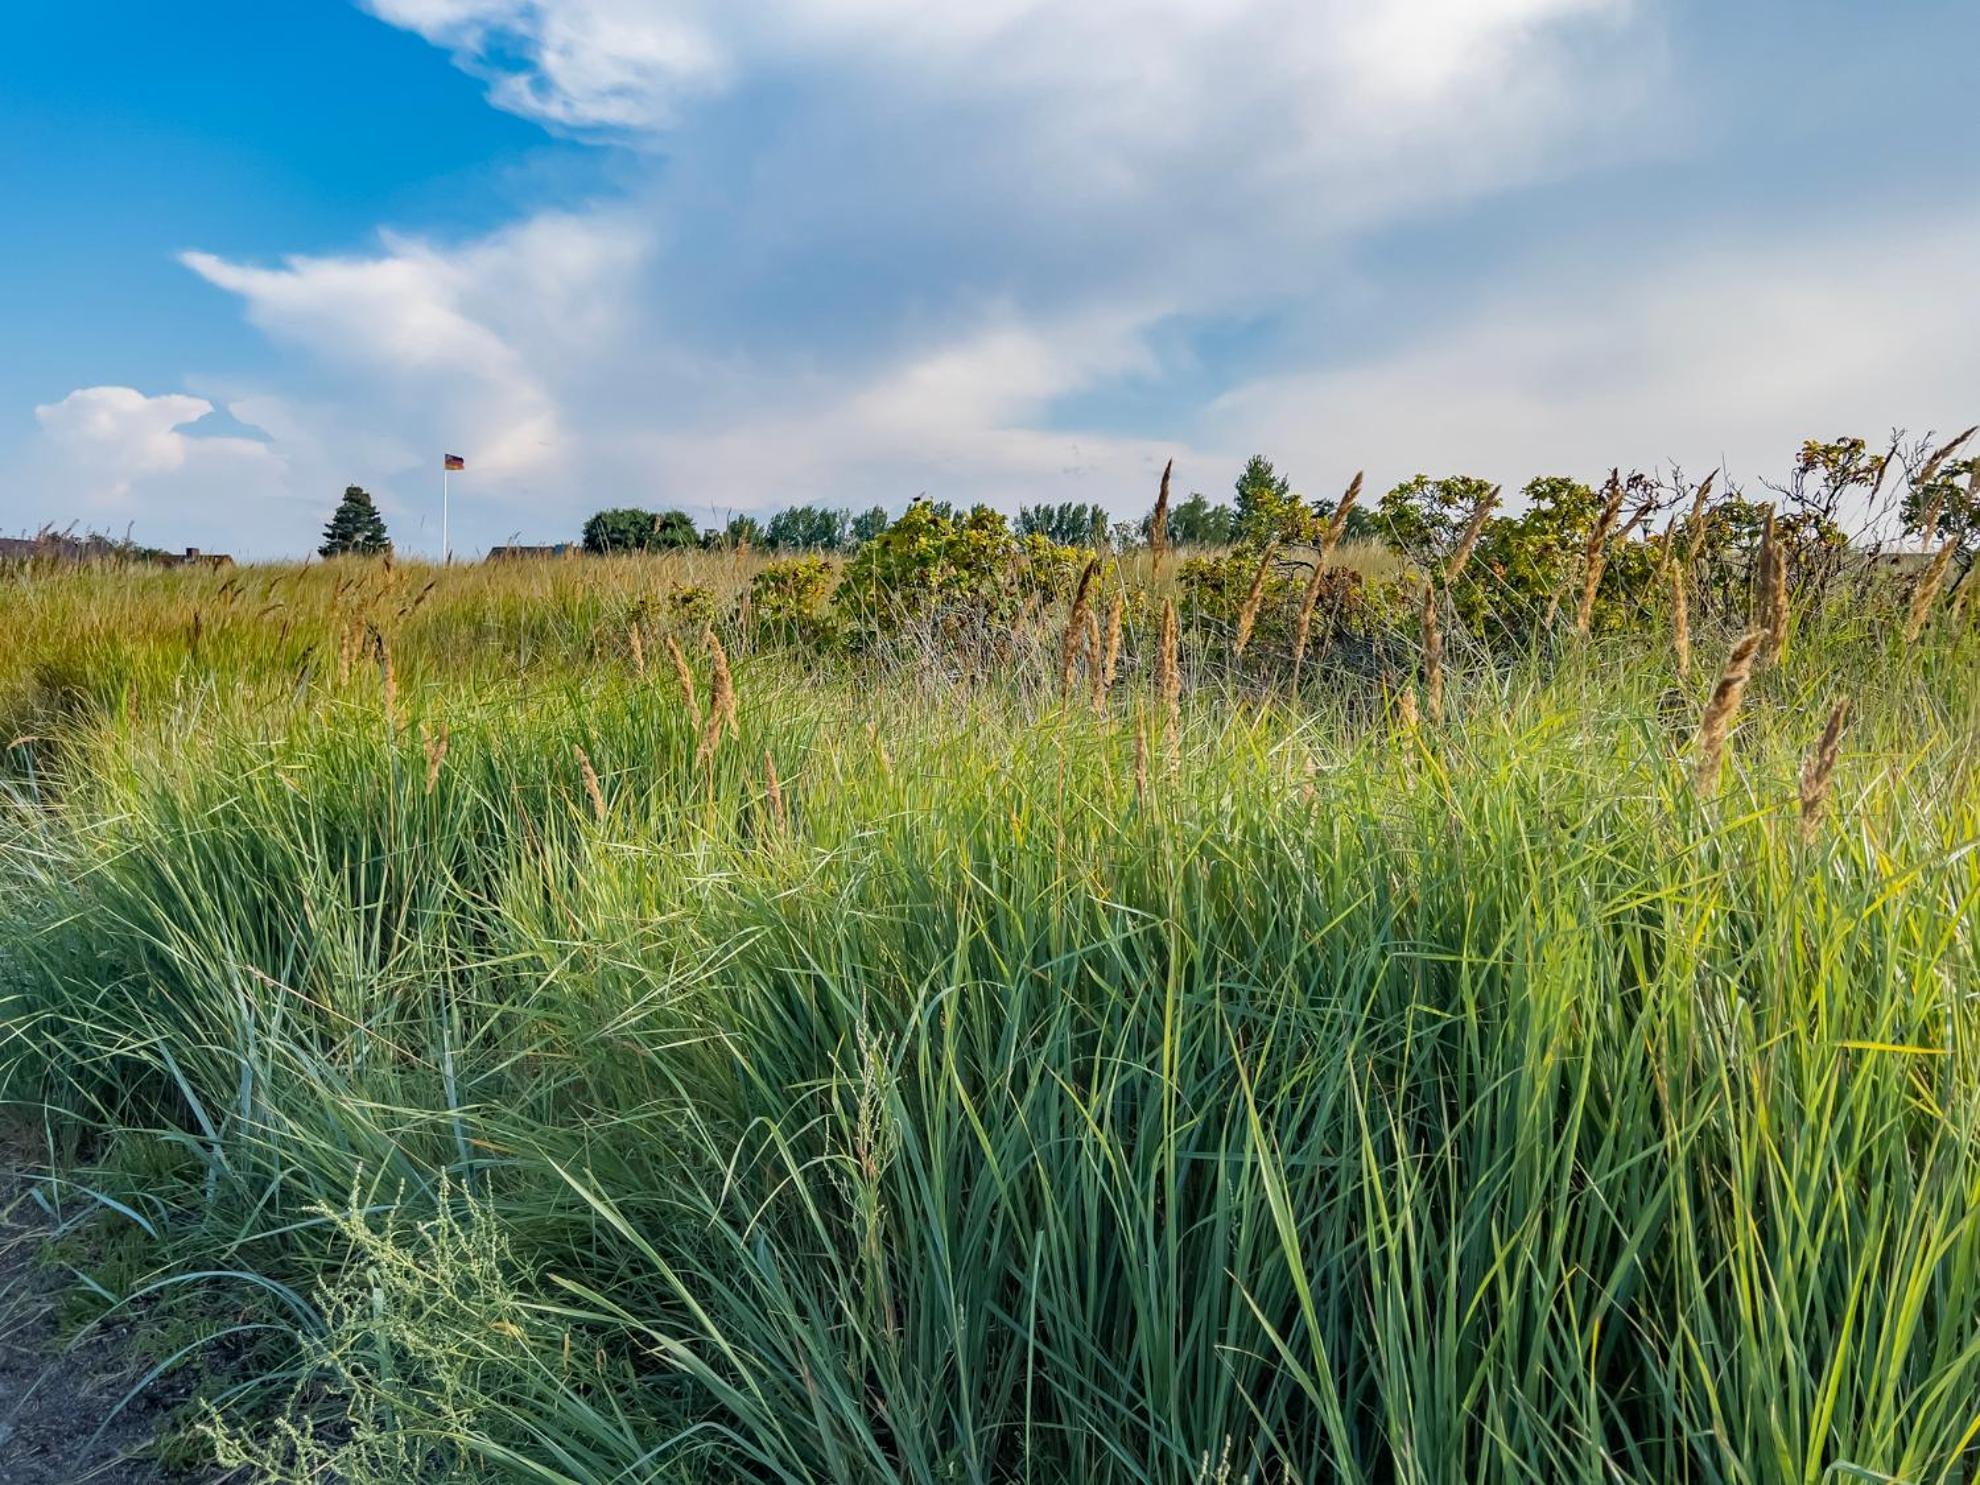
pixel 1471 1104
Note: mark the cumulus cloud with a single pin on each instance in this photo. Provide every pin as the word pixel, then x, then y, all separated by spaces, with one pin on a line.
pixel 866 247
pixel 1726 355
pixel 101 444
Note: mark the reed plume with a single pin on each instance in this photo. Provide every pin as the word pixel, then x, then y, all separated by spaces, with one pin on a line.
pixel 1158 527
pixel 1406 713
pixel 637 645
pixel 1927 591
pixel 1473 529
pixel 1110 660
pixel 1168 683
pixel 1316 580
pixel 774 790
pixel 435 744
pixel 1723 710
pixel 1433 656
pixel 880 748
pixel 1095 686
pixel 1595 556
pixel 1248 615
pixel 1818 771
pixel 1337 525
pixel 1680 622
pixel 1931 465
pixel 1770 601
pixel 1075 628
pixel 686 678
pixel 388 677
pixel 1698 522
pixel 592 789
pixel 721 700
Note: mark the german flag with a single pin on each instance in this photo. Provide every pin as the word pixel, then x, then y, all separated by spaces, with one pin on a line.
pixel 453 461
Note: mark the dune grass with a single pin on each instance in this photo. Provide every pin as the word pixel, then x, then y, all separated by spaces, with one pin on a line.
pixel 1473 1101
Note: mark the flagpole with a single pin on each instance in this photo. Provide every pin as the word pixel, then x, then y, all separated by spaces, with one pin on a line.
pixel 446 479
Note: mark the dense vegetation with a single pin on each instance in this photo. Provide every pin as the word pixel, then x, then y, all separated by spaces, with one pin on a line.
pixel 1473 1007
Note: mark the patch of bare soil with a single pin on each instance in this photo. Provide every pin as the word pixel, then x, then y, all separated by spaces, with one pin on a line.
pixel 56 1390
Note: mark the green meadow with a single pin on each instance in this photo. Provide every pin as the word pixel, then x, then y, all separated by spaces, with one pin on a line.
pixel 525 1023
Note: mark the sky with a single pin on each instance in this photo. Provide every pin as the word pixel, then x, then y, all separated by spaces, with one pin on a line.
pixel 729 257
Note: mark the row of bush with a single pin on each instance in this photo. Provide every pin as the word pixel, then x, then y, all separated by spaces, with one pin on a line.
pixel 935 569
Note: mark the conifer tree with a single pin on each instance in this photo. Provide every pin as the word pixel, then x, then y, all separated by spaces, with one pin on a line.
pixel 355 528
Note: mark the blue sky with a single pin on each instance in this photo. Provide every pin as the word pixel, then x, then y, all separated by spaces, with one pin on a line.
pixel 684 252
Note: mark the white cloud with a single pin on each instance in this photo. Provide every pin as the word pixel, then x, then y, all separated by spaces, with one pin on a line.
pixel 867 247
pixel 1726 354
pixel 473 338
pixel 101 443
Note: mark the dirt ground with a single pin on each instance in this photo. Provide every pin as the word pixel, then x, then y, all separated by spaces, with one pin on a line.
pixel 56 1390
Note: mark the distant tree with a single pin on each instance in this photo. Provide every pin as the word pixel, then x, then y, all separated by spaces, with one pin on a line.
pixel 1198 523
pixel 355 527
pixel 673 529
pixel 742 531
pixel 627 529
pixel 808 528
pixel 869 524
pixel 1267 509
pixel 1070 523
pixel 621 530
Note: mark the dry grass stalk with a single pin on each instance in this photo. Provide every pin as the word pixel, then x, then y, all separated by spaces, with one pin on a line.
pixel 593 790
pixel 686 678
pixel 1927 591
pixel 1931 465
pixel 637 644
pixel 1309 600
pixel 388 678
pixel 1168 683
pixel 1406 713
pixel 1337 525
pixel 1723 710
pixel 1248 615
pixel 350 646
pixel 1473 529
pixel 1093 659
pixel 721 701
pixel 1777 603
pixel 1110 659
pixel 722 690
pixel 1818 771
pixel 1698 522
pixel 774 790
pixel 1680 622
pixel 1595 556
pixel 436 744
pixel 1770 605
pixel 1158 527
pixel 880 748
pixel 1140 766
pixel 1433 656
pixel 1076 628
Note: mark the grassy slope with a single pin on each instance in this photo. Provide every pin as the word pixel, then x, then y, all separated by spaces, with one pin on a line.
pixel 1473 1104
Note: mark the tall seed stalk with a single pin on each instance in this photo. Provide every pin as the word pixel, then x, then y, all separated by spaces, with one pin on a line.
pixel 1075 634
pixel 1595 556
pixel 1248 615
pixel 1927 591
pixel 1310 599
pixel 1433 657
pixel 1168 683
pixel 1158 525
pixel 1818 771
pixel 1723 710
